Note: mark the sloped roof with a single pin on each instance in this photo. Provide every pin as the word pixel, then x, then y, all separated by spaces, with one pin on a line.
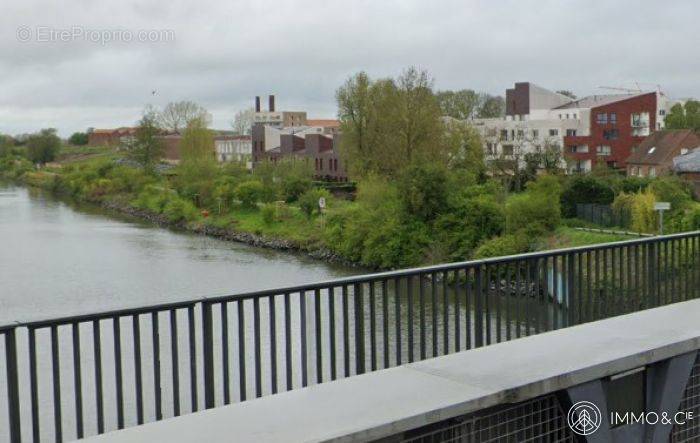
pixel 689 162
pixel 661 146
pixel 592 101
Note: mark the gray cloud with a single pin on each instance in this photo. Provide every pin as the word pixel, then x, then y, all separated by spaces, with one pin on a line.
pixel 225 52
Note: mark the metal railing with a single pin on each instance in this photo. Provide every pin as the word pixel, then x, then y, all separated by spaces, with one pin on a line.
pixel 87 374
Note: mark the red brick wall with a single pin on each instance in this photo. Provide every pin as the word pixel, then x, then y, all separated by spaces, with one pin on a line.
pixel 622 147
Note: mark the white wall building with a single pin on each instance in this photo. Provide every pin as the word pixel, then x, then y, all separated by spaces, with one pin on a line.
pixel 233 148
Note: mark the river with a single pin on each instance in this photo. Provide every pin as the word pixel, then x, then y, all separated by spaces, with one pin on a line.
pixel 59 259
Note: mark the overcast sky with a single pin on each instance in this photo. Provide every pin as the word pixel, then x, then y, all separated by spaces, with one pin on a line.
pixel 221 53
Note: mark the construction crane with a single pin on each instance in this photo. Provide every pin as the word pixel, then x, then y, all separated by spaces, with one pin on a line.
pixel 628 90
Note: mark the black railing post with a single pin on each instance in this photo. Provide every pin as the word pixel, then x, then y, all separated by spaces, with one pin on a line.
pixel 652 256
pixel 208 354
pixel 571 294
pixel 359 329
pixel 478 308
pixel 12 385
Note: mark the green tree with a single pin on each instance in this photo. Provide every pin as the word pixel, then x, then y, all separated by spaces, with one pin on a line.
pixel 177 116
pixel 537 208
pixel 585 189
pixel 424 191
pixel 43 146
pixel 684 116
pixel 492 106
pixel 389 124
pixel 146 148
pixel 249 193
pixel 308 201
pixel 78 139
pixel 462 104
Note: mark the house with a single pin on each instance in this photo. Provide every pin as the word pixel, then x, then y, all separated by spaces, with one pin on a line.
pixel 109 137
pixel 597 128
pixel 655 155
pixel 687 166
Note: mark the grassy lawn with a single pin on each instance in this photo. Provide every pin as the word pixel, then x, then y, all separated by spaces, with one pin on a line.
pixel 565 237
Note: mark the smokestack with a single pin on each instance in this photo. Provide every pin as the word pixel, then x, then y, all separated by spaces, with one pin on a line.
pixel 257 103
pixel 272 103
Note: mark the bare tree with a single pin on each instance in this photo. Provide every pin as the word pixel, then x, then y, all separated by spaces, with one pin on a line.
pixel 242 123
pixel 177 115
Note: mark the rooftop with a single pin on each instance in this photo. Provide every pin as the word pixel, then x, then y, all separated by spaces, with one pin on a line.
pixel 593 101
pixel 661 146
pixel 689 162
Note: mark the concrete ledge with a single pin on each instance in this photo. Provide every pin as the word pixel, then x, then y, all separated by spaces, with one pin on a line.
pixel 394 400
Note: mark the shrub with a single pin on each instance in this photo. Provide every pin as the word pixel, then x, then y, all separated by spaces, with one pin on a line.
pixel 178 210
pixel 268 213
pixel 509 244
pixel 643 214
pixel 622 208
pixel 308 202
pixel 584 189
pixel 249 193
pixel 469 222
pixel 43 146
pixel 673 190
pixel 691 220
pixel 538 206
pixel 424 191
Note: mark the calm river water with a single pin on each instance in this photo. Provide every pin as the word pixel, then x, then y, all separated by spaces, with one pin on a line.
pixel 58 259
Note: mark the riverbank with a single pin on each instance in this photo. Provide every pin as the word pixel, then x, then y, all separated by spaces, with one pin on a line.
pixel 278 210
pixel 203 228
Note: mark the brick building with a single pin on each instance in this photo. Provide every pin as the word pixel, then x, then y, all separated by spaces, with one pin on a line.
pixel 616 124
pixel 593 129
pixel 654 156
pixel 109 137
pixel 310 143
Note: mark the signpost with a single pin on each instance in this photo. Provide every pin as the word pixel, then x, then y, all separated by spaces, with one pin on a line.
pixel 661 207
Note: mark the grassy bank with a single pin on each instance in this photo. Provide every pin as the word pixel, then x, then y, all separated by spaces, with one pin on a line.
pixel 228 205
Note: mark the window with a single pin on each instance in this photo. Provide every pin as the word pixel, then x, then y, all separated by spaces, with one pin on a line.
pixel 603 150
pixel 504 134
pixel 662 112
pixel 652 172
pixel 634 171
pixel 553 132
pixel 610 134
pixel 602 118
pixel 571 133
pixel 567 116
pixel 521 133
pixel 507 149
pixel 613 118
pixel 490 148
pixel 535 133
pixel 579 149
pixel 320 163
pixel 651 150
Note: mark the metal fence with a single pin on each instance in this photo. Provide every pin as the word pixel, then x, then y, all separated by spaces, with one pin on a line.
pixel 88 374
pixel 602 215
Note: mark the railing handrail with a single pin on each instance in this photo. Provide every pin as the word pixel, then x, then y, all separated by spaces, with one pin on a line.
pixel 339 282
